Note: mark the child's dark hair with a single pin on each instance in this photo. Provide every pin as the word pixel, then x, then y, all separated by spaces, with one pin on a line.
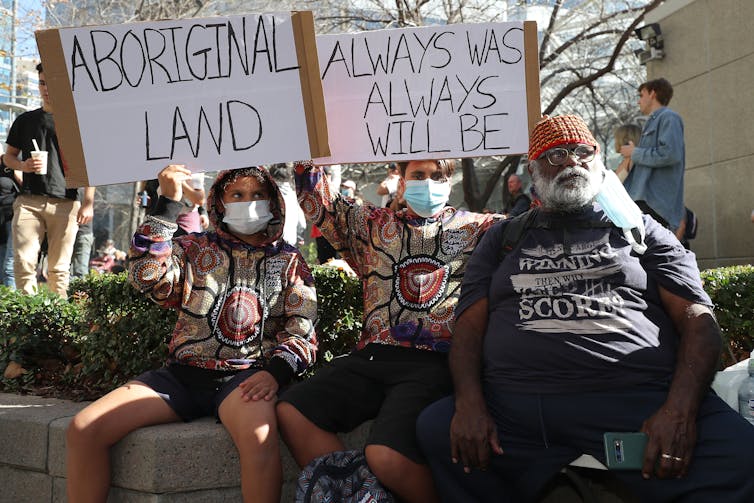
pixel 253 171
pixel 447 167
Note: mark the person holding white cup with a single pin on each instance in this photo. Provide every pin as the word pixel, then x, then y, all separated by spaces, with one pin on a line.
pixel 39 161
pixel 45 207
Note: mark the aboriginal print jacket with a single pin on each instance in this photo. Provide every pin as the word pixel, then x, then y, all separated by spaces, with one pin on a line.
pixel 410 267
pixel 238 305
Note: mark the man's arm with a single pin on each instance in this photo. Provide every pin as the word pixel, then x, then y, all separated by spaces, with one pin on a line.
pixel 86 211
pixel 472 431
pixel 382 189
pixel 672 429
pixel 30 165
pixel 669 148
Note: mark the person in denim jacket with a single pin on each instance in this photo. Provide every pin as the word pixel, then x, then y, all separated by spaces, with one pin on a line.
pixel 655 181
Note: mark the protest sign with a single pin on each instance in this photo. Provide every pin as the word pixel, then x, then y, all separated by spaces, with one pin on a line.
pixel 451 91
pixel 214 93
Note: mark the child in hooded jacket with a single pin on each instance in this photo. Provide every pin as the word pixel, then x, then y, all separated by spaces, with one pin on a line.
pixel 246 308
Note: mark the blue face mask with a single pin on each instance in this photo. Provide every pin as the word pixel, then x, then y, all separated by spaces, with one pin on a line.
pixel 621 209
pixel 426 197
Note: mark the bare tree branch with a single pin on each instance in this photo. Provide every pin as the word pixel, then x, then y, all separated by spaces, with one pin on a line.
pixel 569 88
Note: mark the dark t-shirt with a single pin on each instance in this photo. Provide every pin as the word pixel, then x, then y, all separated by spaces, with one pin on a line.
pixel 38 124
pixel 518 205
pixel 8 190
pixel 582 317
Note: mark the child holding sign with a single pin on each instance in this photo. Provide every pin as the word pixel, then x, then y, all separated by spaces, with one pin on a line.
pixel 410 263
pixel 246 306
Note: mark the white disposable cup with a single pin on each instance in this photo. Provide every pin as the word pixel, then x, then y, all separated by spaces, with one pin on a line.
pixel 40 154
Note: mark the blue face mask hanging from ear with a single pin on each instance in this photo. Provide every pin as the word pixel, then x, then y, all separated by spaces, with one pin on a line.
pixel 426 197
pixel 621 209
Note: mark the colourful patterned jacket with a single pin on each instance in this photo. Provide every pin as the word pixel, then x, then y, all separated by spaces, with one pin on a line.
pixel 410 267
pixel 227 292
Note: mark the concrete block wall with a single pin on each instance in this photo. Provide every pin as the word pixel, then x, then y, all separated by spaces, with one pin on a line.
pixel 173 463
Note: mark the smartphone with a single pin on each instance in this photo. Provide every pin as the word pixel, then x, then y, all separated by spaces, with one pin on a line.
pixel 625 450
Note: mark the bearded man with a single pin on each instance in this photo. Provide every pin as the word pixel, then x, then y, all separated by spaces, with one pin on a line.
pixel 577 330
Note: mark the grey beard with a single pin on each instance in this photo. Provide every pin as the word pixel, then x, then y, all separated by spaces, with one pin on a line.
pixel 556 197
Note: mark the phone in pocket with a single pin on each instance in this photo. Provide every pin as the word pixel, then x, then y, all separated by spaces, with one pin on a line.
pixel 625 450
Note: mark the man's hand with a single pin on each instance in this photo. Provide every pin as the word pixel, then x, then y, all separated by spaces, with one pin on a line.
pixel 85 214
pixel 671 444
pixel 472 434
pixel 627 150
pixel 259 386
pixel 32 165
pixel 171 181
pixel 86 211
pixel 672 429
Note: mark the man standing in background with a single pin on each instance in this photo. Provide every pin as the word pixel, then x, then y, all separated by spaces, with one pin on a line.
pixel 45 207
pixel 655 181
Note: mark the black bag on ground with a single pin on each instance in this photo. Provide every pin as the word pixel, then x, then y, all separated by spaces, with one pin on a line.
pixel 691 225
pixel 340 477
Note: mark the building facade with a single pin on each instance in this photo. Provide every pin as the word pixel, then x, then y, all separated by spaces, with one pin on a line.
pixel 709 59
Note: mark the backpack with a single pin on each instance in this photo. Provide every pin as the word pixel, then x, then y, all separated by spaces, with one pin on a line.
pixel 517 226
pixel 691 225
pixel 340 477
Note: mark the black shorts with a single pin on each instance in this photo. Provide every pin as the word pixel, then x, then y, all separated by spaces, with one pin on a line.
pixel 389 384
pixel 193 392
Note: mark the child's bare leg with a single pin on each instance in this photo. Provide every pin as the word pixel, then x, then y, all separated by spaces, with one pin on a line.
pixel 253 427
pixel 410 481
pixel 95 429
pixel 304 439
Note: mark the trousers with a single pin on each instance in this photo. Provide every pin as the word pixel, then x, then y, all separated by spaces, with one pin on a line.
pixel 540 434
pixel 35 217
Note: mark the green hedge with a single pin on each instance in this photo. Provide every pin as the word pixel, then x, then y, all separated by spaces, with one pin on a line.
pixel 339 311
pixel 732 292
pixel 35 330
pixel 107 332
pixel 120 333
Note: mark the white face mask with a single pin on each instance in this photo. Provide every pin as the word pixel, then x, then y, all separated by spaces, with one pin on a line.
pixel 247 217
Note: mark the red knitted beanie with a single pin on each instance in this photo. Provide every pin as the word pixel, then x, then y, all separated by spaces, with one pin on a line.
pixel 561 130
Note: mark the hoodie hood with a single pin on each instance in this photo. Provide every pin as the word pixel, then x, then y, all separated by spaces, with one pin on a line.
pixel 216 214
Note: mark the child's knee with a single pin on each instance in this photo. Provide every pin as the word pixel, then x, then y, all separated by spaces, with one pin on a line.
pixel 80 431
pixel 386 463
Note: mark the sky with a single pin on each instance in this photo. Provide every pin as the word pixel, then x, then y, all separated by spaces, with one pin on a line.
pixel 30 13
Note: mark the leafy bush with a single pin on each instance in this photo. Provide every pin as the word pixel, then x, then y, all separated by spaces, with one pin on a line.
pixel 732 292
pixel 309 251
pixel 35 330
pixel 121 332
pixel 339 311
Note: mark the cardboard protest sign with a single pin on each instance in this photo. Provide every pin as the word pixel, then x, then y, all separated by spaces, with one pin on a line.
pixel 214 93
pixel 433 92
